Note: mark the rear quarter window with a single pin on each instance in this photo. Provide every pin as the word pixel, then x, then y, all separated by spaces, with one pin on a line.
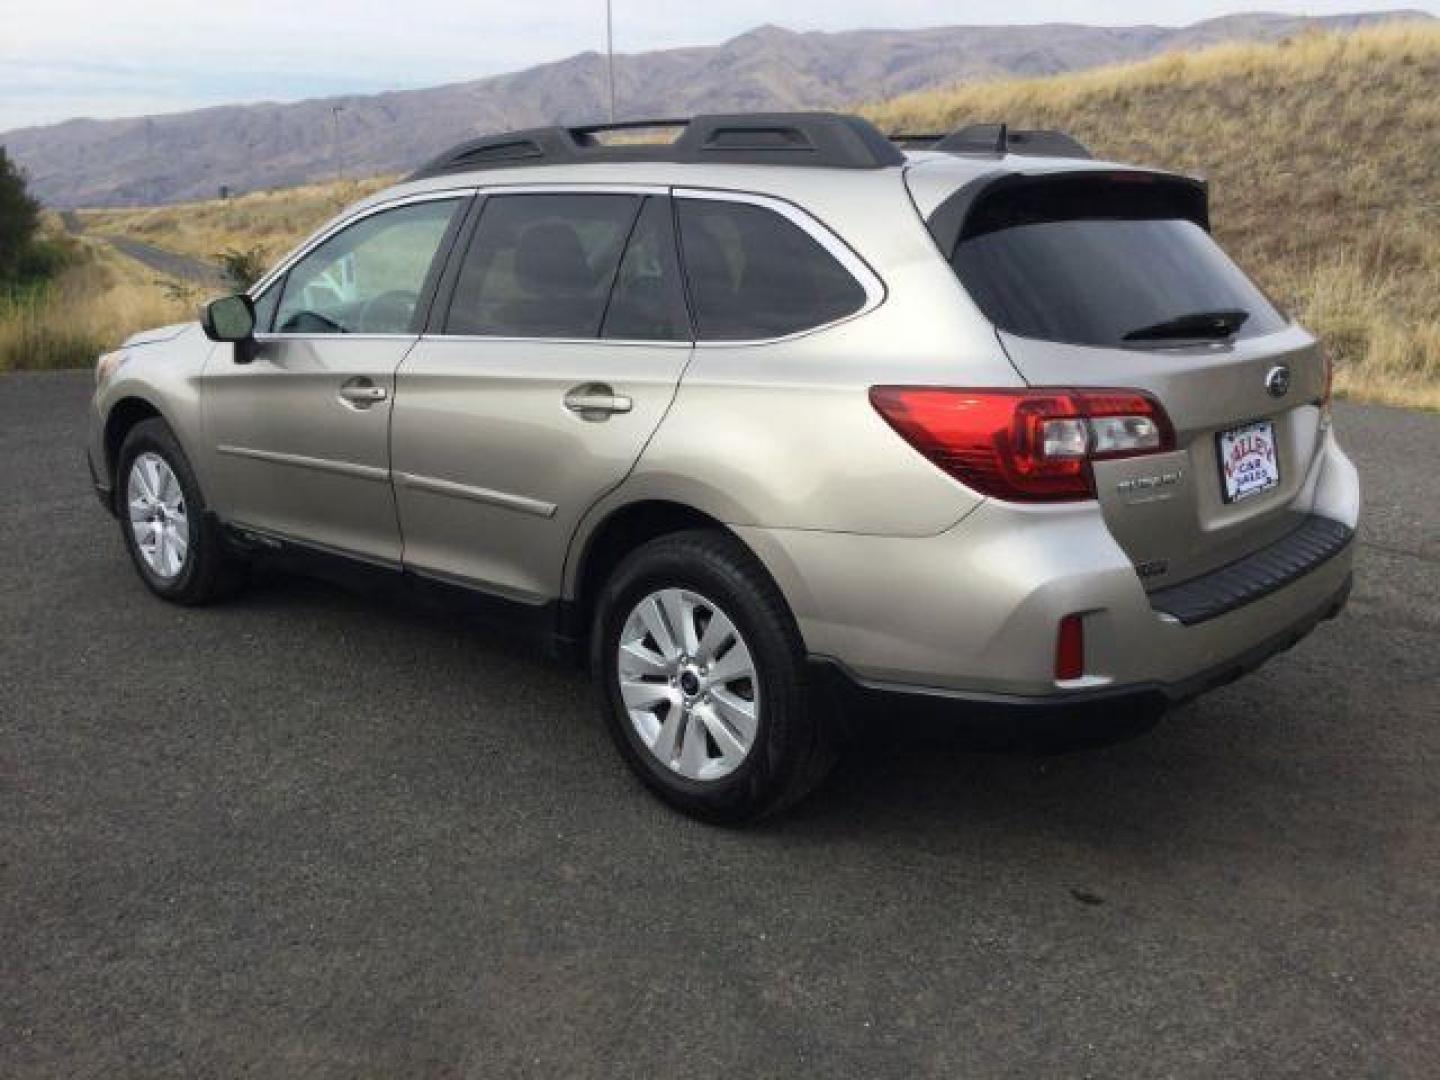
pixel 753 274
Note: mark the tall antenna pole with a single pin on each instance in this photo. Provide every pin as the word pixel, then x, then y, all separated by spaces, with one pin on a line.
pixel 610 57
pixel 335 111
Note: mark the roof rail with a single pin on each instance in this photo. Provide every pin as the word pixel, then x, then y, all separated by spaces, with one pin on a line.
pixel 830 140
pixel 997 139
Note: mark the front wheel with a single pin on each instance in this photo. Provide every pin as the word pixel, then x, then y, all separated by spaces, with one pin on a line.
pixel 702 678
pixel 175 545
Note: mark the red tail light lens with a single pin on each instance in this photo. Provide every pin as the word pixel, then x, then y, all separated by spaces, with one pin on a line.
pixel 1025 445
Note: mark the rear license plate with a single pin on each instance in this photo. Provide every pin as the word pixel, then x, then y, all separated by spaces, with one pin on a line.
pixel 1249 464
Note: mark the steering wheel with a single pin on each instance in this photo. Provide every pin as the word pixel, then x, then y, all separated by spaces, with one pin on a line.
pixel 388 313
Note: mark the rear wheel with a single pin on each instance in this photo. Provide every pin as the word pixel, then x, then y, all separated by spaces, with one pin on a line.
pixel 175 545
pixel 702 678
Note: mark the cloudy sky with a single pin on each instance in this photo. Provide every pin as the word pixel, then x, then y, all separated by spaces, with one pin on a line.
pixel 65 58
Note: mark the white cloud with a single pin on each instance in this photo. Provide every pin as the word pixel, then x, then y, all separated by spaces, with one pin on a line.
pixel 61 58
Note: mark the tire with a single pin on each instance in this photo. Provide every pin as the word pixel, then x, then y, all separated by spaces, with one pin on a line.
pixel 789 749
pixel 205 571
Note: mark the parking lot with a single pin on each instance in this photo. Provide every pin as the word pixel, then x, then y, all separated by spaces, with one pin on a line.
pixel 313 834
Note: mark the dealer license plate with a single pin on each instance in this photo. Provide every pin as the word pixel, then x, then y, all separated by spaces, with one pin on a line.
pixel 1249 463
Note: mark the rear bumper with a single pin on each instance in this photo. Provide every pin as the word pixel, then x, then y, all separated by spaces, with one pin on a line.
pixel 897 698
pixel 971 615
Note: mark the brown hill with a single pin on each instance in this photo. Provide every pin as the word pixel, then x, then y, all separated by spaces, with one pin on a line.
pixel 248 147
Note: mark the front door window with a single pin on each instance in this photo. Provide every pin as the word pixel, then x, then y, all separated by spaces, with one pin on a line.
pixel 368 278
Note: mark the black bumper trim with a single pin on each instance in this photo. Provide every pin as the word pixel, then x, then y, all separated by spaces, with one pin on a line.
pixel 1317 540
pixel 853 690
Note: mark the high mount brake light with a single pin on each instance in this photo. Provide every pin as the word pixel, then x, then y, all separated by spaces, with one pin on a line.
pixel 1025 445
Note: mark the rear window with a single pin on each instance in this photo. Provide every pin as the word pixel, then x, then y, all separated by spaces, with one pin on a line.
pixel 1088 262
pixel 753 274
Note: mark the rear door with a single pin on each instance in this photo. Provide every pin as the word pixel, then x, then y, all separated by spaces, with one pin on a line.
pixel 1112 280
pixel 553 354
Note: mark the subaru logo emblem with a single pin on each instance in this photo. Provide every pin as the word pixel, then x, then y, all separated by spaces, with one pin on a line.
pixel 1277 381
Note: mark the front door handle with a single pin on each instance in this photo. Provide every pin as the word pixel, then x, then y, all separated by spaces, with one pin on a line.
pixel 362 393
pixel 596 401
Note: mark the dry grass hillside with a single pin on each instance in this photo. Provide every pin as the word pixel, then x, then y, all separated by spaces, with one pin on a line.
pixel 1323 152
pixel 1324 158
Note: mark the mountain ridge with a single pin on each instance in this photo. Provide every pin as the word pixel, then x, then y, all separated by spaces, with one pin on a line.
pixel 189 155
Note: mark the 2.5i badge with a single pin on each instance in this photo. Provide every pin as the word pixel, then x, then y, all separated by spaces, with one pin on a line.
pixel 1249 463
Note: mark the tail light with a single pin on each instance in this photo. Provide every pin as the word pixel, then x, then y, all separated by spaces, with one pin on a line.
pixel 1025 445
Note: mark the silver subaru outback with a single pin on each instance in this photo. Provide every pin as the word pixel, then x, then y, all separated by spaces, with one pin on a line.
pixel 770 421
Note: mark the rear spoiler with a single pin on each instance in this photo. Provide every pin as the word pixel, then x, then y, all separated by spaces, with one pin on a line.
pixel 1000 200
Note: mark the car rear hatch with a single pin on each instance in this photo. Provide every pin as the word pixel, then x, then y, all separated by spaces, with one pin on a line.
pixel 1109 279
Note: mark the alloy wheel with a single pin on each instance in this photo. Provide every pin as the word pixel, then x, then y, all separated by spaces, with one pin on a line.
pixel 689 684
pixel 158 517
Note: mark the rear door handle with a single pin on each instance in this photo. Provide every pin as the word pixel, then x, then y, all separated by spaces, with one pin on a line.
pixel 596 401
pixel 362 393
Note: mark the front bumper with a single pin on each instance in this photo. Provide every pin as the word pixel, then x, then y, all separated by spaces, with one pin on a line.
pixel 971 615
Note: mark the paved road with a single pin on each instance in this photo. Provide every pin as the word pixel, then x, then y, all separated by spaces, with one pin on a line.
pixel 184 267
pixel 161 260
pixel 312 835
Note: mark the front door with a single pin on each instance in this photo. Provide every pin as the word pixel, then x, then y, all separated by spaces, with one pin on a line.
pixel 554 358
pixel 299 436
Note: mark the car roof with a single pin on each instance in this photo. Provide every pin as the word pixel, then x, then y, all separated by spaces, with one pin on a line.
pixel 834 165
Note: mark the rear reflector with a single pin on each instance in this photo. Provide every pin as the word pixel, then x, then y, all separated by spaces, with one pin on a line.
pixel 1070 648
pixel 1025 445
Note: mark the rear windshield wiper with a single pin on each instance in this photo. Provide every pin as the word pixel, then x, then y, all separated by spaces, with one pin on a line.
pixel 1196 326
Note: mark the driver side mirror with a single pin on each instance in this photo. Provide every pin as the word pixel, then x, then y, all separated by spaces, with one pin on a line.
pixel 231 318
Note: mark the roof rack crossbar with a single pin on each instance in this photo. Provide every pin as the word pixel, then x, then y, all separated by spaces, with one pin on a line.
pixel 830 140
pixel 998 140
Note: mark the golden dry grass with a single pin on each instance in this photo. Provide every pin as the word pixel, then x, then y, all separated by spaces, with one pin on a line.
pixel 93 306
pixel 274 221
pixel 1324 157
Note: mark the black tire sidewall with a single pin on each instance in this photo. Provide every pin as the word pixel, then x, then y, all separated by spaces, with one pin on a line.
pixel 720 571
pixel 190 585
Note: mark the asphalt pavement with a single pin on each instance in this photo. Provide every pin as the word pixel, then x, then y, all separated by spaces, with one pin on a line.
pixel 314 834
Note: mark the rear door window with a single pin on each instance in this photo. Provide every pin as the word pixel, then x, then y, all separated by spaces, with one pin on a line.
pixel 542 265
pixel 754 274
pixel 1101 263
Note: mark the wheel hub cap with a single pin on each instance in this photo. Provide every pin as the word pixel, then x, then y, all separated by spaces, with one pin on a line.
pixel 158 518
pixel 689 684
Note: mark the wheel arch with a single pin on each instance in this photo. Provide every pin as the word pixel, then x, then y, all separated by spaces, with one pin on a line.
pixel 612 534
pixel 122 417
pixel 133 403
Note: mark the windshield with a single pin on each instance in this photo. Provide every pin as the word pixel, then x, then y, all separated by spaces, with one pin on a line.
pixel 1090 275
